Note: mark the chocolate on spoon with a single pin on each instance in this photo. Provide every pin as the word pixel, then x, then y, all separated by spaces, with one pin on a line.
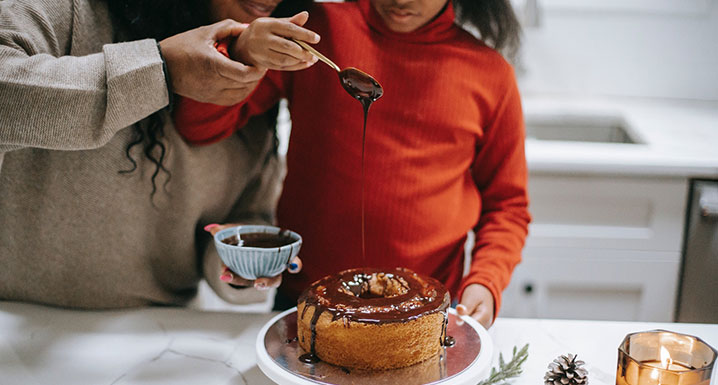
pixel 356 82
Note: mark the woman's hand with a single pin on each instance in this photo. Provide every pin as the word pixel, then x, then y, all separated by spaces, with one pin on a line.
pixel 199 72
pixel 478 303
pixel 265 44
pixel 264 283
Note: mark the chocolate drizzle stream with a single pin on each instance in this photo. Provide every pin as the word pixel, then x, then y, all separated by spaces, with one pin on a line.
pixel 445 340
pixel 367 90
pixel 374 296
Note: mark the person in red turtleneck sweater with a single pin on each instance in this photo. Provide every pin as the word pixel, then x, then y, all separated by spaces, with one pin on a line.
pixel 444 148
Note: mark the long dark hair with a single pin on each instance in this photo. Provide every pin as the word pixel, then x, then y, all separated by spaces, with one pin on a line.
pixel 495 21
pixel 159 19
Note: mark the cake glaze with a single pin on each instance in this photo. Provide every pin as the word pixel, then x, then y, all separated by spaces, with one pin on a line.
pixel 373 318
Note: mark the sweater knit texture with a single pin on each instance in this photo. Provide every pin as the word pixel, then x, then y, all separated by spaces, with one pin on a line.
pixel 76 232
pixel 444 152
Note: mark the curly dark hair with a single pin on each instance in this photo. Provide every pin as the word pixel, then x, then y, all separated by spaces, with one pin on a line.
pixel 159 19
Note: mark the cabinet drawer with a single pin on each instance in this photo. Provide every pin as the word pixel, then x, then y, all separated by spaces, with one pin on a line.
pixel 593 284
pixel 607 212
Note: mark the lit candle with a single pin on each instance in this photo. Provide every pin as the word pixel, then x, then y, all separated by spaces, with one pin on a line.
pixel 671 367
pixel 666 362
pixel 661 357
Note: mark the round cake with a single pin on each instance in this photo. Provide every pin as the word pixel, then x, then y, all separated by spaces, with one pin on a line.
pixel 373 319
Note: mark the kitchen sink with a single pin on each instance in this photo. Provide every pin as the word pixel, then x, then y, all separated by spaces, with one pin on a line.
pixel 580 128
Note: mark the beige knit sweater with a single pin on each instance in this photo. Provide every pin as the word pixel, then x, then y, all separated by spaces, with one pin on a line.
pixel 73 230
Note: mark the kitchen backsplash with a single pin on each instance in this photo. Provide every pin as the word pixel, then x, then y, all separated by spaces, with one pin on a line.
pixel 656 48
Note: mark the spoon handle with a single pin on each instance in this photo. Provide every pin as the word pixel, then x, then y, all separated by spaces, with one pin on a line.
pixel 317 54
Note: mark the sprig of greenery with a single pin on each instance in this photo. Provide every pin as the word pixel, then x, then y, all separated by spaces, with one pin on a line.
pixel 507 370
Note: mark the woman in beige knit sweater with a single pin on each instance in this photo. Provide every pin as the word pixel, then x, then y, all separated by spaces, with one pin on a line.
pixel 102 204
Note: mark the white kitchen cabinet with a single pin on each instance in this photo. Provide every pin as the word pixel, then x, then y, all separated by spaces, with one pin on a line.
pixel 600 247
pixel 573 283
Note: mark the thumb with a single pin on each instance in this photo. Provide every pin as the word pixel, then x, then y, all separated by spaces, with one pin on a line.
pixel 295 265
pixel 226 28
pixel 467 305
pixel 299 19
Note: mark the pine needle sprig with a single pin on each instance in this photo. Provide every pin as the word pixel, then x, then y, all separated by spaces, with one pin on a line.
pixel 507 370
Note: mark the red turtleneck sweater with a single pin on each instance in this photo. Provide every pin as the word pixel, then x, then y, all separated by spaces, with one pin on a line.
pixel 444 151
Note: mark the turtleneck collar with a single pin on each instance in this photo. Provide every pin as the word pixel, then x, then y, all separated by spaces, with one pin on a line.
pixel 441 28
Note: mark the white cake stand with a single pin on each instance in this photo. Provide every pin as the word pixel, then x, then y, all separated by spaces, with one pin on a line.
pixel 467 362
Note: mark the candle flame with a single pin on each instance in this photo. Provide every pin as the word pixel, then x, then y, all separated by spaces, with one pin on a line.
pixel 666 359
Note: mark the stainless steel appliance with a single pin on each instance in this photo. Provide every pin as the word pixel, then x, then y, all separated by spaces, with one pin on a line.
pixel 698 295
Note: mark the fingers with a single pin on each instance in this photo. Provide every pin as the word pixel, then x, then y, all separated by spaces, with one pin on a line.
pixel 300 18
pixel 280 60
pixel 289 48
pixel 477 302
pixel 265 283
pixel 266 44
pixel 469 302
pixel 295 265
pixel 294 31
pixel 229 277
pixel 461 309
pixel 482 315
pixel 238 72
pixel 260 283
pixel 226 28
pixel 297 67
pixel 214 228
pixel 466 307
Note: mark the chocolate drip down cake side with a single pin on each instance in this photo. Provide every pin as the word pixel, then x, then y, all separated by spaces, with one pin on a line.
pixel 373 319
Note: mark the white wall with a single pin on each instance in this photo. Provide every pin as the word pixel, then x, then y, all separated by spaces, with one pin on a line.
pixel 644 48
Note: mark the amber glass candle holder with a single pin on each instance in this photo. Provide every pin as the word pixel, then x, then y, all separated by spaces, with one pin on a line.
pixel 661 357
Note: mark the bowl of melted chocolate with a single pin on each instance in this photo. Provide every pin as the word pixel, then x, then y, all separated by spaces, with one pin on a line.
pixel 254 251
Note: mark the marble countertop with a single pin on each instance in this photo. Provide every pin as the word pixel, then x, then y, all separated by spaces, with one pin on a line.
pixel 680 138
pixel 42 345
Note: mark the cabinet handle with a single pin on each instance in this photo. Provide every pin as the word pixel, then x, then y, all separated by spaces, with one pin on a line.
pixel 528 288
pixel 708 201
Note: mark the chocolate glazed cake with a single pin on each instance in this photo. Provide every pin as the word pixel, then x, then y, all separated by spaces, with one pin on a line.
pixel 373 319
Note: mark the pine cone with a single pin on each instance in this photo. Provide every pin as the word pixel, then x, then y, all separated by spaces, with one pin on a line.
pixel 566 370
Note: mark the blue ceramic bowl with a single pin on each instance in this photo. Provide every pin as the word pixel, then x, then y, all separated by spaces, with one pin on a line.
pixel 255 262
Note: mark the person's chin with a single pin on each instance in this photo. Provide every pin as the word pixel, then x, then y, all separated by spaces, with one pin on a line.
pixel 399 22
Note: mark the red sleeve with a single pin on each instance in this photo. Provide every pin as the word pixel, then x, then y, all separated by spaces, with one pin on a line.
pixel 501 175
pixel 205 123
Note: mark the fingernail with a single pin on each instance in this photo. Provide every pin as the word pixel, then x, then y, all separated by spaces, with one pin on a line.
pixel 260 286
pixel 461 309
pixel 226 277
pixel 293 266
pixel 210 227
pixel 316 38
